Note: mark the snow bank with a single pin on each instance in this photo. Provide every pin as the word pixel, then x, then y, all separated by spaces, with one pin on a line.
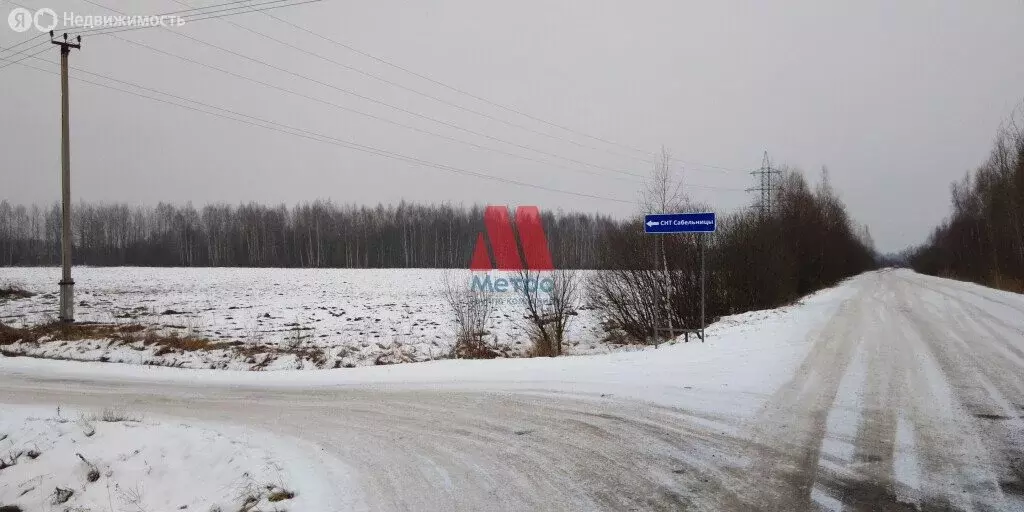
pixel 110 461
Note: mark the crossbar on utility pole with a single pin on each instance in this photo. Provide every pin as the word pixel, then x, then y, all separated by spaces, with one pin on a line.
pixel 67 284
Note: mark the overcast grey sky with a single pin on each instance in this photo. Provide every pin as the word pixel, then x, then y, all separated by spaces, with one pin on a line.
pixel 898 99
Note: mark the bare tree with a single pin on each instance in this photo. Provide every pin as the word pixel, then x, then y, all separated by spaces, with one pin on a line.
pixel 628 292
pixel 471 308
pixel 550 300
pixel 636 293
pixel 983 240
pixel 663 194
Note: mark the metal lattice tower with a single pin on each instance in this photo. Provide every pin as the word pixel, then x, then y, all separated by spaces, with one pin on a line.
pixel 766 185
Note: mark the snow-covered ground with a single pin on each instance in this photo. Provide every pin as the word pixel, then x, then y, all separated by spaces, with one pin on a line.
pixel 891 391
pixel 346 317
pixel 113 459
pixel 767 342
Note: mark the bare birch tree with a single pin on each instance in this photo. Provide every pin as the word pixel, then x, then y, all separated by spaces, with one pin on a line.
pixel 664 194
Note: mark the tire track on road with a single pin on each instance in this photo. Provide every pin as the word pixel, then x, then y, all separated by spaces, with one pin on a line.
pixel 469 451
pixel 874 486
pixel 789 430
pixel 982 458
pixel 1007 343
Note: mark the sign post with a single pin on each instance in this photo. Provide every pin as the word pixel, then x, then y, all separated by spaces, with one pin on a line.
pixel 669 223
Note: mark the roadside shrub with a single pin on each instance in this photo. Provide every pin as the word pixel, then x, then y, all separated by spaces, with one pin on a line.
pixel 471 309
pixel 548 311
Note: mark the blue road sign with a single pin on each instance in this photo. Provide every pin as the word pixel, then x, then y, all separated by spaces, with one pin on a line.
pixel 660 223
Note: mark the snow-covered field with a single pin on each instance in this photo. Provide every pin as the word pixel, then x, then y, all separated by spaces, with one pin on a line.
pixel 411 438
pixel 113 459
pixel 891 391
pixel 346 317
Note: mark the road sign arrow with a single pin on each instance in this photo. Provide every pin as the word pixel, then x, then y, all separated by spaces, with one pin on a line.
pixel 696 222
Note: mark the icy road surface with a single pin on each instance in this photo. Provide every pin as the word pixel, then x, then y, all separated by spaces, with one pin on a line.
pixel 891 391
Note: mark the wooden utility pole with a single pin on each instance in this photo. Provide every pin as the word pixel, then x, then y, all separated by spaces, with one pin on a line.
pixel 67 284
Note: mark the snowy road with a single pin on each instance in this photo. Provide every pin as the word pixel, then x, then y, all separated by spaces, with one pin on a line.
pixel 892 391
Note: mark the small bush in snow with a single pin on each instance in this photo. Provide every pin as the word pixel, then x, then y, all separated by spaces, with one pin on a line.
pixel 113 415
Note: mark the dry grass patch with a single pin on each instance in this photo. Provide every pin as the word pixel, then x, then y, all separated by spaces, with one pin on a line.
pixel 11 292
pixel 127 334
pixel 280 495
pixel 162 342
pixel 174 342
pixel 1009 284
pixel 60 331
pixel 113 415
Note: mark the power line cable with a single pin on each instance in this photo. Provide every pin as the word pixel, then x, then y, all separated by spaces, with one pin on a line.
pixel 375 101
pixel 31 55
pixel 124 29
pixel 389 121
pixel 215 5
pixel 9 48
pixel 360 96
pixel 345 108
pixel 455 89
pixel 649 155
pixel 182 98
pixel 150 89
pixel 366 98
pixel 28 49
pixel 249 8
pixel 218 8
pixel 406 88
pixel 344 143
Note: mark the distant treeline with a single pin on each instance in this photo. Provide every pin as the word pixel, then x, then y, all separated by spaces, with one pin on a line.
pixel 324 234
pixel 759 258
pixel 318 234
pixel 983 239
